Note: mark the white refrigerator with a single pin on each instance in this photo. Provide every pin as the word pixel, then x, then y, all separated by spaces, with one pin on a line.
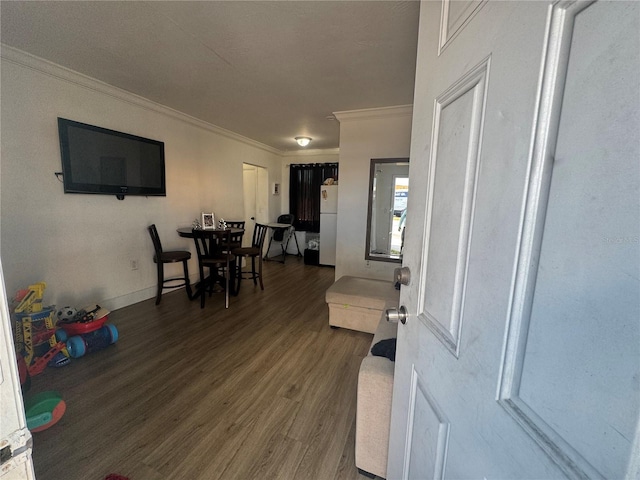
pixel 328 223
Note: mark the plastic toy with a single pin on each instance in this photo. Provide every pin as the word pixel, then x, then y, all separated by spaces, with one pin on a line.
pixel 30 300
pixel 59 359
pixel 40 363
pixel 34 330
pixel 66 314
pixel 44 410
pixel 86 320
pixel 87 331
pixel 35 334
pixel 79 345
pixel 23 372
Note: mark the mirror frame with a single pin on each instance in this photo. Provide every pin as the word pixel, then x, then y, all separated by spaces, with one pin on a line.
pixel 372 172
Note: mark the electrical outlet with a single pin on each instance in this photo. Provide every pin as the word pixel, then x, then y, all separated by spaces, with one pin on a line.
pixel 134 264
pixel 368 264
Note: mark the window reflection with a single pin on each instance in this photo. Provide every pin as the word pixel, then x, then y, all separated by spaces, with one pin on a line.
pixel 386 219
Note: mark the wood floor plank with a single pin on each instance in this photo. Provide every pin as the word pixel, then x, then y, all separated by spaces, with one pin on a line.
pixel 328 426
pixel 256 455
pixel 345 469
pixel 264 389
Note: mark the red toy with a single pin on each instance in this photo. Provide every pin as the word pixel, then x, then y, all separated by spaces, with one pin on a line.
pixel 87 320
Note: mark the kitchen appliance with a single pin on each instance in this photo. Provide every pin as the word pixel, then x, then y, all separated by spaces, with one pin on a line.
pixel 328 223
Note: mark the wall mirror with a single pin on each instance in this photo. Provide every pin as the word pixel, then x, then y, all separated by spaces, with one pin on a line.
pixel 386 218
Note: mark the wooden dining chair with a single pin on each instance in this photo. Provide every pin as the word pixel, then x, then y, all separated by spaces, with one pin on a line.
pixel 236 238
pixel 253 252
pixel 161 257
pixel 217 257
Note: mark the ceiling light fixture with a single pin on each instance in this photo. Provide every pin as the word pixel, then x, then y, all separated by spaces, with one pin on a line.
pixel 303 141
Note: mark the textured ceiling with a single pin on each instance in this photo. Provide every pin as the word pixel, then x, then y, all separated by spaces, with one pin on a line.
pixel 266 70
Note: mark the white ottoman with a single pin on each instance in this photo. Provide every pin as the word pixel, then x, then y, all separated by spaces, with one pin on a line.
pixel 357 303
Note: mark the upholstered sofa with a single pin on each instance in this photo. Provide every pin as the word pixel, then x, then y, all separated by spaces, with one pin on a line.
pixel 373 411
pixel 360 304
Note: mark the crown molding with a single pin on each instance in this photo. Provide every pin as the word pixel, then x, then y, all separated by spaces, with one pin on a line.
pixel 310 153
pixel 374 113
pixel 59 72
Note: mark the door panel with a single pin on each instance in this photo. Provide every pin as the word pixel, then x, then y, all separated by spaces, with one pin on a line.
pixel 519 358
pixel 457 127
pixel 455 15
pixel 579 319
pixel 428 447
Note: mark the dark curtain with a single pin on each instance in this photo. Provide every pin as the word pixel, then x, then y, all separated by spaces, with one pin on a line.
pixel 304 193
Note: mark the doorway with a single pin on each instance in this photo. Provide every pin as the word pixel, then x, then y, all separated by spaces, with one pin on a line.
pixel 255 184
pixel 398 214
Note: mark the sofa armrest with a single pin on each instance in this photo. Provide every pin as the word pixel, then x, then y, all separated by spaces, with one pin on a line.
pixel 373 414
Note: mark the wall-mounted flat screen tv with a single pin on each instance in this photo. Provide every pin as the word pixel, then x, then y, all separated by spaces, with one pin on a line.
pixel 98 160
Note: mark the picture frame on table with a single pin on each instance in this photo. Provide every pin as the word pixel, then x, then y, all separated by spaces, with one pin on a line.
pixel 208 221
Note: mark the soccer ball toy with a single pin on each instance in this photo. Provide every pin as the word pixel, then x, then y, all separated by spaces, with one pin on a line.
pixel 66 314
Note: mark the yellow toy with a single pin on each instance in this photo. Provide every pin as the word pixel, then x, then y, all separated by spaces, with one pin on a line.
pixel 30 300
pixel 35 328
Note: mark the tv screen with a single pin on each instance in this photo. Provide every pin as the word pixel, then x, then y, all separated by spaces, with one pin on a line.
pixel 98 160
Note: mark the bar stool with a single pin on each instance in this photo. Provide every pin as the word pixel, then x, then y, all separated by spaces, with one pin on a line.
pixel 236 239
pixel 255 250
pixel 214 254
pixel 173 256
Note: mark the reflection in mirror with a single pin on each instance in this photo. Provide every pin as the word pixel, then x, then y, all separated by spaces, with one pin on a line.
pixel 386 219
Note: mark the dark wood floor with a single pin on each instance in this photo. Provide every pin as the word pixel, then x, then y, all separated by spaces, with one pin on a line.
pixel 263 390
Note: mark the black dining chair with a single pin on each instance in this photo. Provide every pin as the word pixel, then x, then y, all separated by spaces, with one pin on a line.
pixel 161 257
pixel 236 238
pixel 214 254
pixel 253 252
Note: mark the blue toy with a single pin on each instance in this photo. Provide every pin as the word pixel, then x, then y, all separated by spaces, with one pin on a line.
pixel 79 345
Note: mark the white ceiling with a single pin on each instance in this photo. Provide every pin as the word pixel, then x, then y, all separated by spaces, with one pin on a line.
pixel 267 70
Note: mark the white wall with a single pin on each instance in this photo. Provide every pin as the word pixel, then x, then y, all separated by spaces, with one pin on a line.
pixel 82 245
pixel 365 134
pixel 307 156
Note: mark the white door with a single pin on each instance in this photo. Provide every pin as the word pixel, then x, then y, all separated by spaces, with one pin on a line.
pixel 15 439
pixel 521 351
pixel 249 187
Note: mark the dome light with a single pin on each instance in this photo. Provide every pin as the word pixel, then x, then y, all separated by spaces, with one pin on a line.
pixel 303 141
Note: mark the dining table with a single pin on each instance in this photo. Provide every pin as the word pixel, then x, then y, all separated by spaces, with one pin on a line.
pixel 212 234
pixel 187 232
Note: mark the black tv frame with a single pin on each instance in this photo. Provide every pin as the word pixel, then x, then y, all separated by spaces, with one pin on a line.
pixel 120 191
